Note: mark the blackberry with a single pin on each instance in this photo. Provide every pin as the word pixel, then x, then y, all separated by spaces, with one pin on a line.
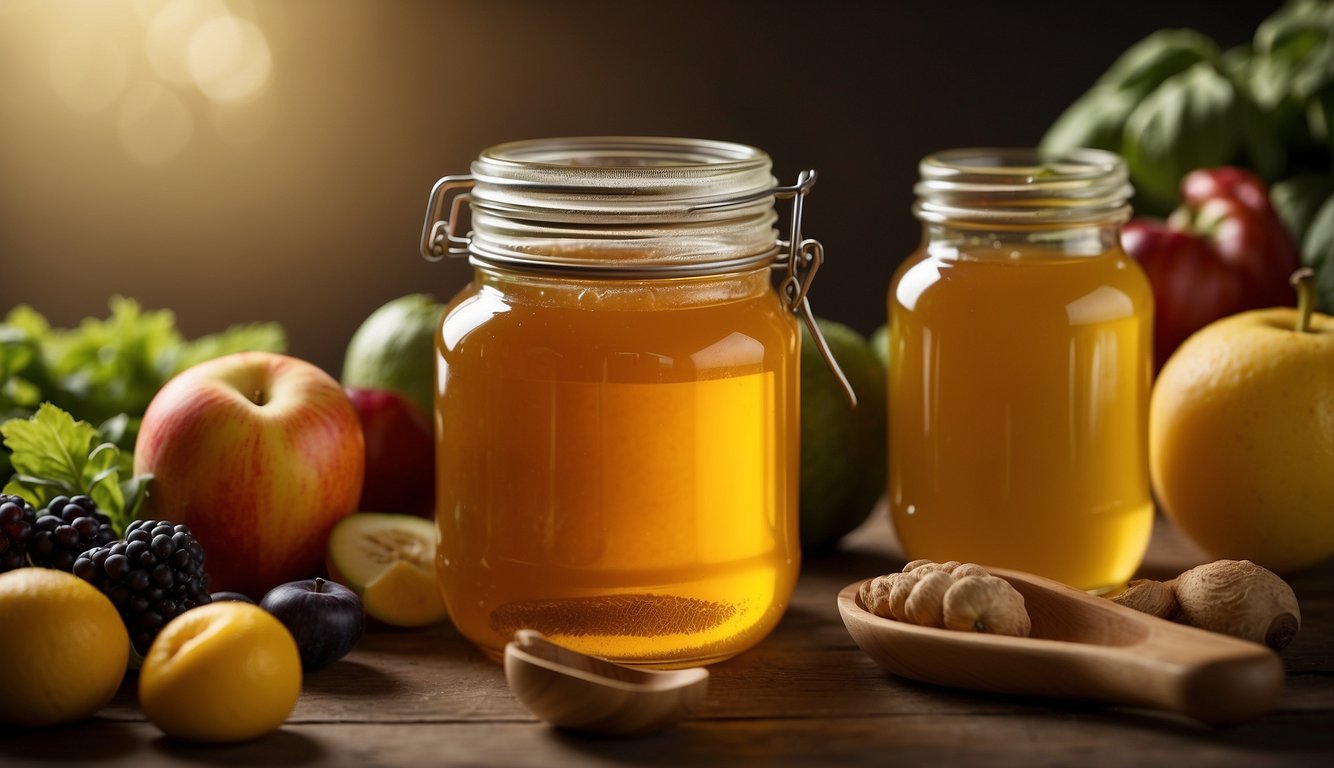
pixel 153 576
pixel 16 520
pixel 65 529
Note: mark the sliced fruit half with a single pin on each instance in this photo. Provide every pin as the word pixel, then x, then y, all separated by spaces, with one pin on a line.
pixel 389 561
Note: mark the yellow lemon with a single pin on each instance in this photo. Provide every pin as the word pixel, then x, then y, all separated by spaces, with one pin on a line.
pixel 63 648
pixel 1241 439
pixel 221 672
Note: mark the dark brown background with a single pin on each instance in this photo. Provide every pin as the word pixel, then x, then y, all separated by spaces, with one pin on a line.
pixel 314 221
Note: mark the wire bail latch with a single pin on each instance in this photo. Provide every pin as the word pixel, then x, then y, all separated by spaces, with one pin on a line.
pixel 804 258
pixel 440 236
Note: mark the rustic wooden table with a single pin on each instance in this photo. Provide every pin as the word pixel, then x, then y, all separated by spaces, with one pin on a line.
pixel 805 696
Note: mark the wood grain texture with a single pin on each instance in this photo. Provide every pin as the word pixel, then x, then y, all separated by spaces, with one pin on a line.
pixel 805 696
pixel 1081 647
pixel 583 693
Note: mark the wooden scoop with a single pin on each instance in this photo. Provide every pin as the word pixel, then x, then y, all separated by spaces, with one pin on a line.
pixel 1082 647
pixel 572 690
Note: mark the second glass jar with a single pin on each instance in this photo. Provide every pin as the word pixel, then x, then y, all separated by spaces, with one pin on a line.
pixel 1020 348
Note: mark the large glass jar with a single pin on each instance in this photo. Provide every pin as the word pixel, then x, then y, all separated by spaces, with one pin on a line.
pixel 1020 338
pixel 616 399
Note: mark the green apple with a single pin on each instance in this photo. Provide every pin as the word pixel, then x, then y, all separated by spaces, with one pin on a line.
pixel 260 454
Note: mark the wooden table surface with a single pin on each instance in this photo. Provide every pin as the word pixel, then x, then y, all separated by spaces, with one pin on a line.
pixel 804 696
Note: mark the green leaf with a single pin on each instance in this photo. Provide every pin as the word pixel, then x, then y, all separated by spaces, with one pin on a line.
pixel 1295 28
pixel 1097 119
pixel 1148 63
pixel 1298 199
pixel 1318 253
pixel 18 351
pixel 55 455
pixel 1314 71
pixel 106 367
pixel 51 447
pixel 256 337
pixel 1320 117
pixel 1191 121
pixel 26 319
pixel 1265 152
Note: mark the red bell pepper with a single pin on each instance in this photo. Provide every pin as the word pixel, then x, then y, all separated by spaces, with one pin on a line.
pixel 1223 251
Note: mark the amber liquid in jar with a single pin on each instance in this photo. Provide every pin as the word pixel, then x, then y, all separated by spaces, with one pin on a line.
pixel 1021 349
pixel 618 466
pixel 1021 424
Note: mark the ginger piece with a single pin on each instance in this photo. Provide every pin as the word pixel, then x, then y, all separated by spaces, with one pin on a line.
pixel 900 589
pixel 925 605
pixel 1233 597
pixel 1148 596
pixel 968 569
pixel 986 604
pixel 950 595
pixel 1239 598
pixel 874 595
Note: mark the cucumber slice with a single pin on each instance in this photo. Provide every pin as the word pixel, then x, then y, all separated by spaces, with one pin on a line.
pixel 389 561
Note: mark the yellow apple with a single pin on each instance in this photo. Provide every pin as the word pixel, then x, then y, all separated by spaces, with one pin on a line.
pixel 260 454
pixel 1241 438
pixel 222 672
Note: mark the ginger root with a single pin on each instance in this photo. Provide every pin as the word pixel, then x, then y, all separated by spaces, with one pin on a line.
pixel 1233 597
pixel 1148 596
pixel 986 604
pixel 952 595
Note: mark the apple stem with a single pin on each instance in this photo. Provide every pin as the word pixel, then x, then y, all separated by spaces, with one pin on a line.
pixel 319 584
pixel 1304 281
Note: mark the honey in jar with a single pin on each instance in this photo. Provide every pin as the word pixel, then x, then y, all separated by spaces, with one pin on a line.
pixel 1020 347
pixel 616 402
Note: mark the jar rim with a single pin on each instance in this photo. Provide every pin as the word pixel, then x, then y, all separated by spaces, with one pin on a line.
pixel 619 155
pixel 615 175
pixel 623 204
pixel 990 185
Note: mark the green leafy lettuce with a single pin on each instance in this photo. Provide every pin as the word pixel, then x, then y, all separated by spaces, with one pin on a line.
pixel 54 455
pixel 106 370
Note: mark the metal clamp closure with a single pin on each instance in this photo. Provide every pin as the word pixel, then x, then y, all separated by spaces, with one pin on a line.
pixel 804 258
pixel 440 236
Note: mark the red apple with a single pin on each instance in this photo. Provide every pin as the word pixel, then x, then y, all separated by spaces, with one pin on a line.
pixel 400 453
pixel 260 454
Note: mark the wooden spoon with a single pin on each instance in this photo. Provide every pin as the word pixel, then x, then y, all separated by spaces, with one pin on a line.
pixel 572 690
pixel 1081 647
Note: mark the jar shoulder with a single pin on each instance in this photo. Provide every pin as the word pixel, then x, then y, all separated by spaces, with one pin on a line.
pixel 484 326
pixel 1102 286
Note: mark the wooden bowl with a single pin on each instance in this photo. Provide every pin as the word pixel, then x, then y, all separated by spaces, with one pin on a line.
pixel 1081 647
pixel 571 690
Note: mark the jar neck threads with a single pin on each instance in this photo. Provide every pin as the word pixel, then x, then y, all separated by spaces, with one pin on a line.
pixel 629 208
pixel 620 204
pixel 1020 189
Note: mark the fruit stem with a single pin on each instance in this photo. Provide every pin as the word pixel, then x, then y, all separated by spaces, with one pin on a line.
pixel 319 584
pixel 1304 281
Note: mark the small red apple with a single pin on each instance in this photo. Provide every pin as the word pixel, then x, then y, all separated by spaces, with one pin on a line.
pixel 260 454
pixel 400 453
